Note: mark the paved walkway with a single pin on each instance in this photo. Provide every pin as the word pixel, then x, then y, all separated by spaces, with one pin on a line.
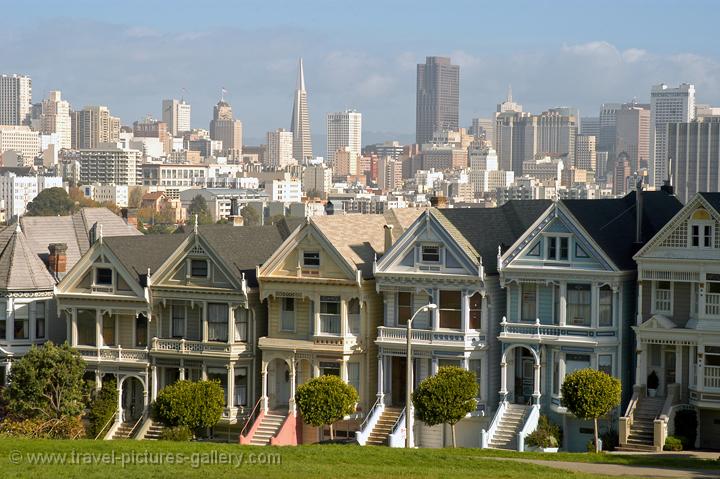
pixel 620 470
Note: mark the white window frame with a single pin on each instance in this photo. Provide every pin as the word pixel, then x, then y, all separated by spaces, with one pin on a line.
pixel 190 271
pixel 558 237
pixel 520 302
pixel 701 224
pixel 612 306
pixel 439 254
pixel 311 266
pixel 172 320
pixel 612 362
pixel 114 319
pixel 283 311
pixel 653 303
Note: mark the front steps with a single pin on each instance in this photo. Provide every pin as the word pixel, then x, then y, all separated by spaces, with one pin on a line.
pixel 124 430
pixel 154 432
pixel 383 428
pixel 269 426
pixel 642 431
pixel 511 423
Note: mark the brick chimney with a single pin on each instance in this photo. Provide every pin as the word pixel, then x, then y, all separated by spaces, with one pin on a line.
pixel 57 261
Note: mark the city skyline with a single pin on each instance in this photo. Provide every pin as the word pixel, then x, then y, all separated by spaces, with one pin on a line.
pixel 136 64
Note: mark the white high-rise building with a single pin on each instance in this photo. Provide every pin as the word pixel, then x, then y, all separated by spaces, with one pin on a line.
pixel 279 148
pixel 15 99
pixel 667 105
pixel 344 130
pixel 176 114
pixel 300 122
pixel 17 191
pixel 21 140
pixel 56 118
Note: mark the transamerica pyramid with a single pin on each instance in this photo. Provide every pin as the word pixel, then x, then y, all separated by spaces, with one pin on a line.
pixel 300 123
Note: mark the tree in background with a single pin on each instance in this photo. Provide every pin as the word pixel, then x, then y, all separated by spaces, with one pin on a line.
pixel 51 202
pixel 103 407
pixel 446 397
pixel 196 405
pixel 47 382
pixel 250 216
pixel 591 394
pixel 325 400
pixel 198 206
pixel 135 197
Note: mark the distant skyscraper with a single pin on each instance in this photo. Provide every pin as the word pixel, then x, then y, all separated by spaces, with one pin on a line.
pixel 279 148
pixel 515 139
pixel 509 104
pixel 438 98
pixel 223 127
pixel 300 122
pixel 606 133
pixel 176 114
pixel 556 133
pixel 15 99
pixel 344 130
pixel 694 148
pixel 92 126
pixel 667 105
pixel 55 118
pixel 585 153
pixel 632 135
pixel 590 125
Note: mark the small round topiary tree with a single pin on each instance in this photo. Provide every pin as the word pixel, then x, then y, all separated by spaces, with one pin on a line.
pixel 325 400
pixel 196 405
pixel 590 394
pixel 446 397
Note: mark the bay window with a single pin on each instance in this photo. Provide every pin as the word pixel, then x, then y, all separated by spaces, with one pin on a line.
pixel 141 330
pixel 354 316
pixel 476 311
pixel 663 297
pixel 287 314
pixel 605 307
pixel 578 304
pixel 241 324
pixel 22 321
pixel 528 302
pixel 241 387
pixel 217 319
pixel 108 331
pixel 330 315
pixel 86 327
pixel 40 310
pixel 178 321
pixel 450 309
pixel 404 307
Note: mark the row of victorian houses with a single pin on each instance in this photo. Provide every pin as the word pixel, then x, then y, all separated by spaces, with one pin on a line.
pixel 526 293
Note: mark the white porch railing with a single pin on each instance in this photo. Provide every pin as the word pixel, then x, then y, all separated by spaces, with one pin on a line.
pixel 113 353
pixel 397 436
pixel 425 336
pixel 626 421
pixel 370 421
pixel 712 304
pixel 486 436
pixel 189 347
pixel 537 330
pixel 712 377
pixel 530 425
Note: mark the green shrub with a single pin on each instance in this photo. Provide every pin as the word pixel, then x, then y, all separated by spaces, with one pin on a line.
pixel 66 427
pixel 610 440
pixel 177 433
pixel 102 407
pixel 325 400
pixel 673 443
pixel 546 435
pixel 686 427
pixel 196 405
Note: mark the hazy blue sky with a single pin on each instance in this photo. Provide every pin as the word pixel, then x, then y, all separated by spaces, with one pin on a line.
pixel 130 54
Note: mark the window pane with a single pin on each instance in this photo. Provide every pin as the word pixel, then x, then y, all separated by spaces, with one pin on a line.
pixel 311 258
pixel 431 254
pixel 103 276
pixel 86 327
pixel 605 307
pixel 564 248
pixel 109 330
pixel 529 300
pixel 217 322
pixel 404 308
pixel 605 364
pixel 287 315
pixel 178 321
pixel 476 367
pixel 199 268
pixel 475 311
pixel 552 247
pixel 578 304
pixel 241 386
pixel 40 307
pixel 141 329
pixel 450 309
pixel 241 324
pixel 353 370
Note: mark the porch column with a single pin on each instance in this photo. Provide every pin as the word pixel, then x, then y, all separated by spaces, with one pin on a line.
pixel 204 323
pixel 701 297
pixel 464 311
pixel 503 379
pixel 594 300
pixel 343 318
pixel 563 303
pixel 700 367
pixel 293 386
pixel 691 373
pixel 8 368
pixel 154 382
pixel 231 324
pixel 203 372
pixel 641 367
pixel 536 384
pixel 231 386
pixel 182 370
pixel 98 329
pixel 73 327
pixel 264 386
pixel 146 395
pixel 638 320
pixel 119 403
pixel 561 372
pixel 316 314
pixel 436 312
pixel 483 310
pixel 343 368
pixel 678 364
pixel 98 380
pixel 381 378
pixel 434 366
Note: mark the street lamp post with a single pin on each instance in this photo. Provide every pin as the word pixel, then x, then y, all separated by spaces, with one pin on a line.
pixel 409 373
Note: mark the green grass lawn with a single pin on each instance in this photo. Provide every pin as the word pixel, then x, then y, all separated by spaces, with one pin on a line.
pixel 102 459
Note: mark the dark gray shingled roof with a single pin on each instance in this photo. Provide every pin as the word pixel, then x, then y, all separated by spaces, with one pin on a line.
pixel 20 268
pixel 612 222
pixel 713 199
pixel 484 229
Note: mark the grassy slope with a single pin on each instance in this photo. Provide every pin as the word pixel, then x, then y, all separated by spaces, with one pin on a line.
pixel 304 461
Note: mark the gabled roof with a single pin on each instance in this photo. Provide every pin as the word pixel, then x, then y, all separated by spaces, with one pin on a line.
pixel 612 222
pixel 359 238
pixel 73 230
pixel 241 248
pixel 713 200
pixel 20 268
pixel 481 230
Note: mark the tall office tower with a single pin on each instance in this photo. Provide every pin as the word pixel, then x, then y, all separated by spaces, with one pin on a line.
pixel 515 139
pixel 15 99
pixel 556 131
pixel 344 129
pixel 667 105
pixel 226 129
pixel 279 148
pixel 55 118
pixel 509 104
pixel 632 135
pixel 389 173
pixel 694 148
pixel 590 125
pixel 621 173
pixel 483 129
pixel 150 128
pixel 438 98
pixel 601 171
pixel 481 157
pixel 585 152
pixel 606 134
pixel 300 122
pixel 176 115
pixel 92 126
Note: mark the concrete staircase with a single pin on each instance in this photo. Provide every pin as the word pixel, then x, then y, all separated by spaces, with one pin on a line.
pixel 383 428
pixel 124 430
pixel 642 430
pixel 511 423
pixel 154 432
pixel 269 427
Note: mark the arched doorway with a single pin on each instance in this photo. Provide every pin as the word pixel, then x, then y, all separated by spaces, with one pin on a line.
pixel 132 398
pixel 520 374
pixel 278 384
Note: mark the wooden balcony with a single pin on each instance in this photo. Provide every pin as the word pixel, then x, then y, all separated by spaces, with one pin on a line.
pixel 459 339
